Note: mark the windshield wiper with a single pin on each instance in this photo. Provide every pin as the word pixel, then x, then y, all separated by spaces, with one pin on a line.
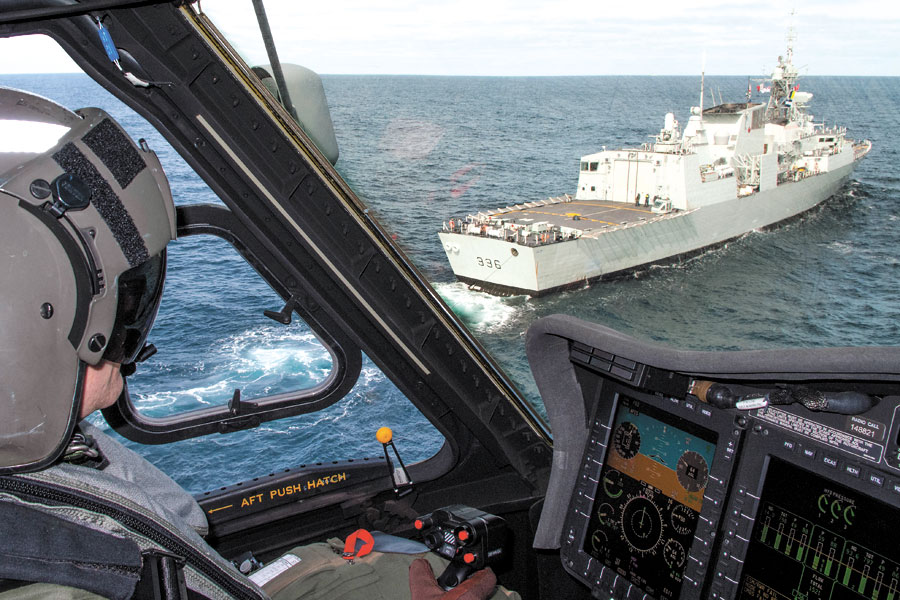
pixel 269 42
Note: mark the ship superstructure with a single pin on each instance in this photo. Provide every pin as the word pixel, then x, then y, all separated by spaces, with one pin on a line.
pixel 732 168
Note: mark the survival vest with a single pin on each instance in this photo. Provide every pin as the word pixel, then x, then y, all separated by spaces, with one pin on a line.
pixel 55 530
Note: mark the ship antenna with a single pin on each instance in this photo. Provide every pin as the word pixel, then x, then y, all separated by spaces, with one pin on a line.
pixel 791 36
pixel 702 77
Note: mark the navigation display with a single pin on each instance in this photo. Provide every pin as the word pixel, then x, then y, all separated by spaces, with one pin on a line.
pixel 649 496
pixel 807 541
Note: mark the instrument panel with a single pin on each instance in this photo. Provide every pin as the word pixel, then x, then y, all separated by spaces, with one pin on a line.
pixel 678 499
pixel 819 539
pixel 650 495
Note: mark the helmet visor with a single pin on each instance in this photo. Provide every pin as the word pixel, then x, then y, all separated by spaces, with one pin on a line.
pixel 140 292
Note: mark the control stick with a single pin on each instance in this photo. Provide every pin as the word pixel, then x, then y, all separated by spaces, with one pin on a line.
pixel 469 538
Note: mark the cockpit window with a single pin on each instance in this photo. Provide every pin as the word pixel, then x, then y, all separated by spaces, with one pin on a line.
pixel 459 128
pixel 224 341
pixel 445 142
pixel 216 343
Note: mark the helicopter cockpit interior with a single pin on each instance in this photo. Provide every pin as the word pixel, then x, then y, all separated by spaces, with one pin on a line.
pixel 727 475
pixel 633 470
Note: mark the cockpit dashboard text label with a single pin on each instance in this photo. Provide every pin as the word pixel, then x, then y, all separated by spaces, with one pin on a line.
pixel 824 434
pixel 281 493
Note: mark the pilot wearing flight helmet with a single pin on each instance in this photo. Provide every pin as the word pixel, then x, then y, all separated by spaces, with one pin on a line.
pixel 85 217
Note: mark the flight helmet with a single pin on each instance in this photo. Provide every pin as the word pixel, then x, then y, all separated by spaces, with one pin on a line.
pixel 85 216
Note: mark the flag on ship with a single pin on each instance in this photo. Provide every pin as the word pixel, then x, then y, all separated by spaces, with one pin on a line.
pixel 790 99
pixel 763 89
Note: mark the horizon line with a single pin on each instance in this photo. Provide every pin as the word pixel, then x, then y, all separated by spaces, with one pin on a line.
pixel 514 75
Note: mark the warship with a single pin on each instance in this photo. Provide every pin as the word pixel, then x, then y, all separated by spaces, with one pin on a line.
pixel 734 168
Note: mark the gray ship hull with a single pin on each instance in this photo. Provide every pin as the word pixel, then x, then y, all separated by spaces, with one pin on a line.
pixel 507 268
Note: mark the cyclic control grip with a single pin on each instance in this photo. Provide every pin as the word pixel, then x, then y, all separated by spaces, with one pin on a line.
pixel 469 538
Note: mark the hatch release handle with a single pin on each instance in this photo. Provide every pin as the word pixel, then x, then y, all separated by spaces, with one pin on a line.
pixel 399 475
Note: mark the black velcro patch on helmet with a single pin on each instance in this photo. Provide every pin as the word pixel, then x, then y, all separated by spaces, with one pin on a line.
pixel 115 150
pixel 107 203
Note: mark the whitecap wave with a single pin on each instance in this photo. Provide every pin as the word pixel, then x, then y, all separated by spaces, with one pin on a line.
pixel 370 375
pixel 260 362
pixel 841 247
pixel 165 403
pixel 266 353
pixel 482 312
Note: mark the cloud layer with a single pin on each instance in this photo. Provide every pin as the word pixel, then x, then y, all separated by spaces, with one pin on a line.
pixel 564 37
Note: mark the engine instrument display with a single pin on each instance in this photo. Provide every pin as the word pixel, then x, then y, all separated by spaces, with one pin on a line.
pixel 815 538
pixel 649 496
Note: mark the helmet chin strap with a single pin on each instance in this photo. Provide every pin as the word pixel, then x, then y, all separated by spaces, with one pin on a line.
pixel 146 352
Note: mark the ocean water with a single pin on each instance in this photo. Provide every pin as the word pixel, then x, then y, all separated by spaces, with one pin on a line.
pixel 420 149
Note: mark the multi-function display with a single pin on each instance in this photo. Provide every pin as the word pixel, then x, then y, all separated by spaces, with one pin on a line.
pixel 814 538
pixel 649 496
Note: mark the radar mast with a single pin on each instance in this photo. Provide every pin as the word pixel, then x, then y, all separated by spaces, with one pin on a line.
pixel 784 83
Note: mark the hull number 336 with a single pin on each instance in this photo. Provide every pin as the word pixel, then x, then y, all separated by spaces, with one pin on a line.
pixel 487 262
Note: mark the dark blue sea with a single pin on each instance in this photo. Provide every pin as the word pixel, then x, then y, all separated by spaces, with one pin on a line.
pixel 420 149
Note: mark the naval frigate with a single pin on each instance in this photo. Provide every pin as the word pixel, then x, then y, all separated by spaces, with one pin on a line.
pixel 734 168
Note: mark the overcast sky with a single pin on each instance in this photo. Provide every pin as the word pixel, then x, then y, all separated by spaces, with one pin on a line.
pixel 562 37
